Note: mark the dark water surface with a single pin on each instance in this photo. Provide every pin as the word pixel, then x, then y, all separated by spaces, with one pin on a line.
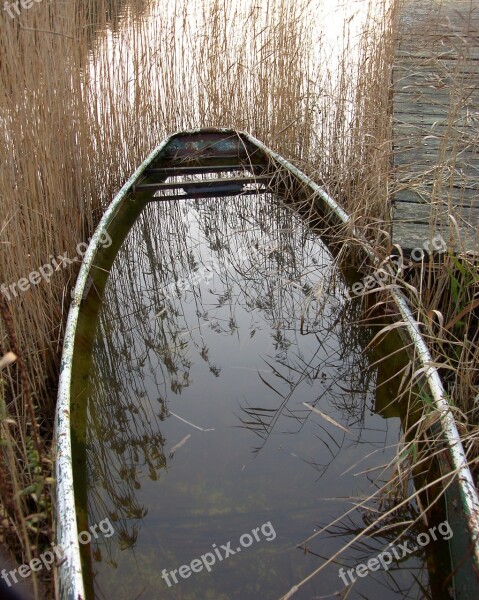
pixel 223 322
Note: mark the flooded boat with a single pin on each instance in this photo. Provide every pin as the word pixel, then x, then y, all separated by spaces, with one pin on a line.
pixel 220 404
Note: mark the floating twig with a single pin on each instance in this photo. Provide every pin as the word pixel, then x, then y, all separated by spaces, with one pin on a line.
pixel 188 422
pixel 179 444
pixel 326 417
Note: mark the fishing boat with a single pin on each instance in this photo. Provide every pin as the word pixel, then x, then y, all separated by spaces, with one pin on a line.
pixel 199 165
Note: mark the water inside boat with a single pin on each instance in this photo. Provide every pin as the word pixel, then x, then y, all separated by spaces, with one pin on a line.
pixel 227 407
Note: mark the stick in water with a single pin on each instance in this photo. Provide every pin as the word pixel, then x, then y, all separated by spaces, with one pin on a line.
pixel 325 417
pixel 188 422
pixel 179 444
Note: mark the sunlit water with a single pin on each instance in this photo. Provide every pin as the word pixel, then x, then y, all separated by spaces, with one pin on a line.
pixel 223 322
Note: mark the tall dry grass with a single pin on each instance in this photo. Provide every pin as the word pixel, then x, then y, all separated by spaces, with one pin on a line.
pixel 356 117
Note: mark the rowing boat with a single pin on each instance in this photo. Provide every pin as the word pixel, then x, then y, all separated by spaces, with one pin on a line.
pixel 195 165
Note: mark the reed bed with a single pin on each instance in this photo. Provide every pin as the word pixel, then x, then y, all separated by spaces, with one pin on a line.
pixel 89 87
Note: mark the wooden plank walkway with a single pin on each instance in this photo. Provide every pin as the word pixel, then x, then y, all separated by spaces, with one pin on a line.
pixel 435 183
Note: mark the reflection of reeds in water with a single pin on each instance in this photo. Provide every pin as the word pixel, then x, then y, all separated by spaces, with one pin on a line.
pixel 161 249
pixel 381 539
pixel 276 273
pixel 341 365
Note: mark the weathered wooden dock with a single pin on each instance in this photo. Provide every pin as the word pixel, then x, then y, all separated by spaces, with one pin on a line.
pixel 435 184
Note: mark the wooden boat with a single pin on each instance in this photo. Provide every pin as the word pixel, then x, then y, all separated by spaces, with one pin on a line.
pixel 225 156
